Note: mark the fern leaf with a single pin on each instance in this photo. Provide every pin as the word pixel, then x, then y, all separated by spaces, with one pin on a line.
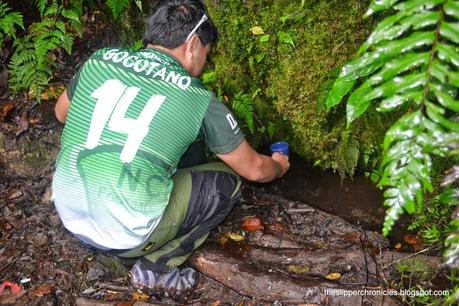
pixel 452 9
pixel 377 6
pixel 410 59
pixel 117 7
pixel 52 10
pixel 41 4
pixel 242 105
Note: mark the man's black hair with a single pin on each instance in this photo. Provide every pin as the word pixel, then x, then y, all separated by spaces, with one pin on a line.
pixel 173 20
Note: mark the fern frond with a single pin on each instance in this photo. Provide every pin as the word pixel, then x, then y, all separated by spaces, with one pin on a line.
pixel 410 60
pixel 348 152
pixel 52 10
pixel 3 9
pixel 41 5
pixel 117 6
pixel 74 19
pixel 9 21
pixel 242 105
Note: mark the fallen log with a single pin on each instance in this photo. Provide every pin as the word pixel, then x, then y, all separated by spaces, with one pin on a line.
pixel 249 280
pixel 354 266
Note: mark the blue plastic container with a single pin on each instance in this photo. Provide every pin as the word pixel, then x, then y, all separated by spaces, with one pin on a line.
pixel 280 147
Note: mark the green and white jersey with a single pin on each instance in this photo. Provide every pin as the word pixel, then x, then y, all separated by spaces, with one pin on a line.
pixel 133 114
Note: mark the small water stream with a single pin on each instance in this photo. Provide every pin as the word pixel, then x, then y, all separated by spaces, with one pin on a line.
pixel 356 200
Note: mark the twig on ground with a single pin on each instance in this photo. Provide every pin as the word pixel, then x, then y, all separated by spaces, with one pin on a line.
pixel 111 287
pixel 299 210
pixel 405 258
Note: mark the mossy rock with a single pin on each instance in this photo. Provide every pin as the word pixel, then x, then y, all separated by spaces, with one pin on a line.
pixel 289 68
pixel 417 269
pixel 26 157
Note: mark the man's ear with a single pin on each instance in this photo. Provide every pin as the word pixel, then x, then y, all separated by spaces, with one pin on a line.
pixel 192 45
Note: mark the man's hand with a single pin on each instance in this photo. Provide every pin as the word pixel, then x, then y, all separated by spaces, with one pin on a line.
pixel 283 162
pixel 246 162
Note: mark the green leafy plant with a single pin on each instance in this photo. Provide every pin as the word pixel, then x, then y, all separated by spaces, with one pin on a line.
pixel 433 217
pixel 347 155
pixel 34 61
pixel 118 6
pixel 9 22
pixel 242 105
pixel 409 64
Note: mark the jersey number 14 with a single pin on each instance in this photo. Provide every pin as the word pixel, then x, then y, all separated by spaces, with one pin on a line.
pixel 113 100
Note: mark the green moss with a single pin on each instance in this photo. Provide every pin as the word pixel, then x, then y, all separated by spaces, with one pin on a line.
pixel 417 269
pixel 292 69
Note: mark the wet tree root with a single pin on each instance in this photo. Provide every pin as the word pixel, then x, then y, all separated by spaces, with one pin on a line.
pixel 263 274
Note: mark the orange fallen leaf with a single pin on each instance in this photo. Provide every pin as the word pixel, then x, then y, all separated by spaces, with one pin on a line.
pixel 44 96
pixel 333 276
pixel 52 92
pixel 7 108
pixel 42 290
pixel 414 241
pixel 251 224
pixel 216 303
pixel 138 296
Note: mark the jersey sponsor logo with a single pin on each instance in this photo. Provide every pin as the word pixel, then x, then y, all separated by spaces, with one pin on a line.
pixel 150 65
pixel 233 123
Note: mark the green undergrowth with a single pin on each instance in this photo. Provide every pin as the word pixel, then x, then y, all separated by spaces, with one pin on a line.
pixel 283 57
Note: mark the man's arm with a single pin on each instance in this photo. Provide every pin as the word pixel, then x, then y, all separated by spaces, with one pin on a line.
pixel 246 162
pixel 62 107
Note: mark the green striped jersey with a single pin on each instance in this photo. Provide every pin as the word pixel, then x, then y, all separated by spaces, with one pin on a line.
pixel 132 116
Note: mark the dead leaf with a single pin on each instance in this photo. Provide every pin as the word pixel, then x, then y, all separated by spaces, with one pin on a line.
pixel 414 241
pixel 222 240
pixel 235 237
pixel 277 229
pixel 23 124
pixel 42 290
pixel 251 224
pixel 257 30
pixel 14 194
pixel 320 245
pixel 138 296
pixel 333 276
pixel 11 299
pixel 113 295
pixel 44 96
pixel 353 237
pixel 298 269
pixel 216 303
pixel 7 108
